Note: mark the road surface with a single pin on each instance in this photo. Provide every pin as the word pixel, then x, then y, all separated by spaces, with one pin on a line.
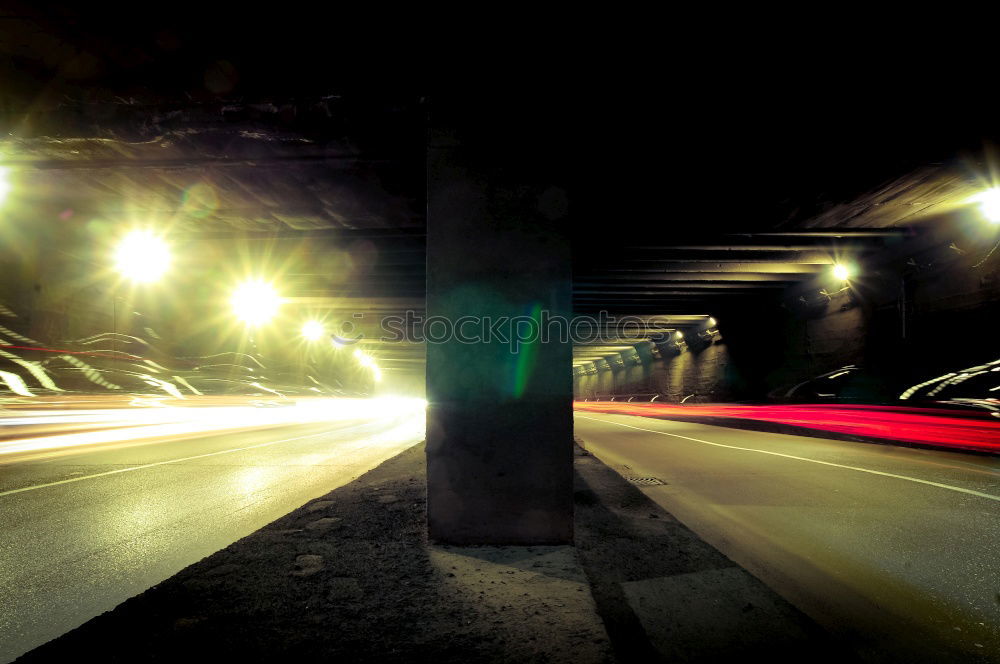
pixel 88 524
pixel 894 550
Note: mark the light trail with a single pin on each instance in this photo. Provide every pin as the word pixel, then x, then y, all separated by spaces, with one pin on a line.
pixel 42 430
pixel 117 471
pixel 929 426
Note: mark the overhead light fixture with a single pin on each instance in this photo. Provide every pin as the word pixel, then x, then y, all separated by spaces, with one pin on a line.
pixel 255 302
pixel 312 330
pixel 843 271
pixel 989 204
pixel 712 322
pixel 4 182
pixel 142 256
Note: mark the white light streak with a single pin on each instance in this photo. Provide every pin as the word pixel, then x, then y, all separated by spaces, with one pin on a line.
pixel 47 430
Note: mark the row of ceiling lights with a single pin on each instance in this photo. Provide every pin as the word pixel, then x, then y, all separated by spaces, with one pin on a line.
pixel 989 207
pixel 144 257
pixel 675 339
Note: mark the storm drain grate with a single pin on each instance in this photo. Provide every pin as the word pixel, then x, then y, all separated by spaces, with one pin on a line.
pixel 645 481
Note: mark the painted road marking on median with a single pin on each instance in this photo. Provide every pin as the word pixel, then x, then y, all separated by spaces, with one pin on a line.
pixel 159 463
pixel 798 458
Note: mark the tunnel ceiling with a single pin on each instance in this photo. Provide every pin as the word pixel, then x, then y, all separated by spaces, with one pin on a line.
pixel 229 129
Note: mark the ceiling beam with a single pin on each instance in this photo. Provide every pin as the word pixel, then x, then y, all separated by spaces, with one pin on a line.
pixel 397 238
pixel 361 304
pixel 659 267
pixel 700 286
pixel 194 161
pixel 666 296
pixel 763 256
pixel 596 279
pixel 833 231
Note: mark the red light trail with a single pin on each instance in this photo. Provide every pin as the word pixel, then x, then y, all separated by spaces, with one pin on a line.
pixel 929 426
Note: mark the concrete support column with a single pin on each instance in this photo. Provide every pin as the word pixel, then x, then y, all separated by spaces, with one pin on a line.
pixel 499 432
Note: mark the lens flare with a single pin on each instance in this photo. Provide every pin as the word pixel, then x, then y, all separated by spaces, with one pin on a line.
pixel 312 330
pixel 989 204
pixel 366 361
pixel 4 183
pixel 142 257
pixel 255 302
pixel 843 271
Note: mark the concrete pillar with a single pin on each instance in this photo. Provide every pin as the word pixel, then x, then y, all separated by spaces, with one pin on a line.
pixel 499 432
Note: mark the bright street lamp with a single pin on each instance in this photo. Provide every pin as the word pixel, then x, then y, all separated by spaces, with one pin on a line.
pixel 4 182
pixel 843 271
pixel 989 204
pixel 142 257
pixel 255 302
pixel 366 361
pixel 312 330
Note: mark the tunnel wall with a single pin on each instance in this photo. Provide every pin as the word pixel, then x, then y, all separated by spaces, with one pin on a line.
pixel 408 382
pixel 697 372
pixel 903 322
pixel 48 293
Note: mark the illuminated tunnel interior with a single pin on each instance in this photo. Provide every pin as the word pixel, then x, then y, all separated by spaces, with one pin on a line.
pixel 241 275
pixel 283 248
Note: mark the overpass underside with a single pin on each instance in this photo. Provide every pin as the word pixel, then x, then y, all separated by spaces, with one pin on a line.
pixel 477 264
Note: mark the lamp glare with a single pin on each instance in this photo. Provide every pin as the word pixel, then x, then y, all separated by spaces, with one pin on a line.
pixel 255 302
pixel 142 257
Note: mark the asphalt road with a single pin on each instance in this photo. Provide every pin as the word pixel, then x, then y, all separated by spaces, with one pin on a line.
pixel 85 528
pixel 896 551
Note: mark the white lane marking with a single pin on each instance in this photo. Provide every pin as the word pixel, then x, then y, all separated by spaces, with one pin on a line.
pixel 159 463
pixel 798 458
